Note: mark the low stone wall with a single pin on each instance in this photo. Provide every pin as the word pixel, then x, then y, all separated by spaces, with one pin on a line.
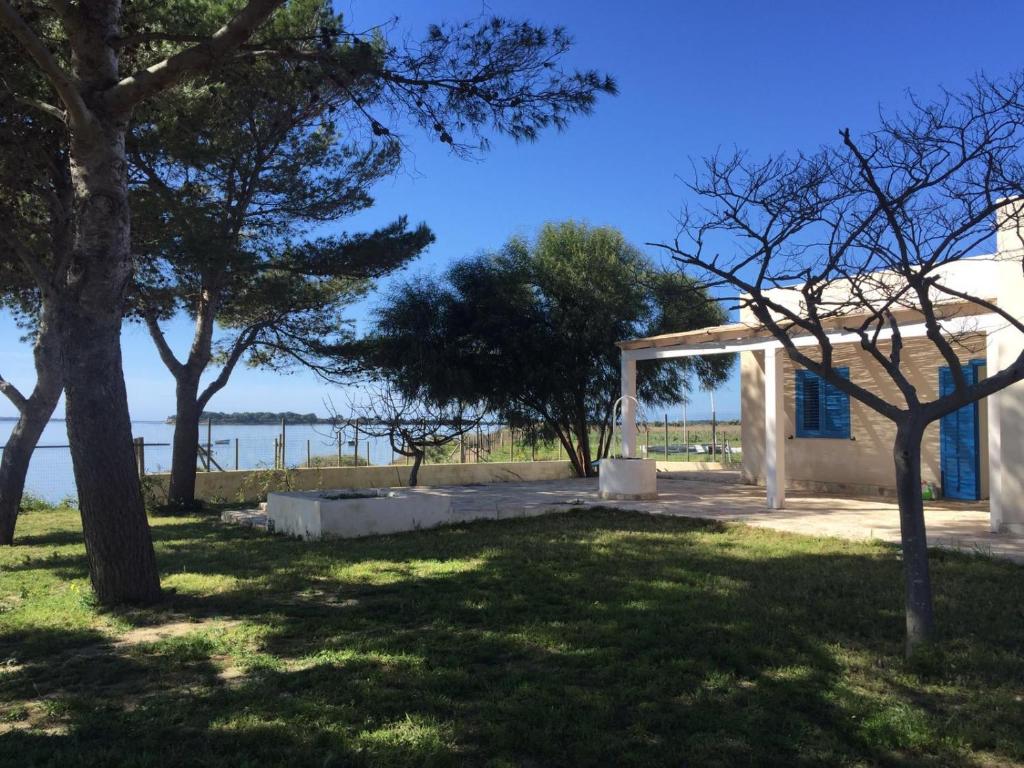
pixel 253 485
pixel 694 466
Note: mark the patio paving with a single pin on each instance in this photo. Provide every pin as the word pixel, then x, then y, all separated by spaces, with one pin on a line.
pixel 720 496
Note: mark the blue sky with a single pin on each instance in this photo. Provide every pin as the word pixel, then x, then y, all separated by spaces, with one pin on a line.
pixel 764 76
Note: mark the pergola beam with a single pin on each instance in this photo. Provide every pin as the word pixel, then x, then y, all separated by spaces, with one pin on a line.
pixel 956 326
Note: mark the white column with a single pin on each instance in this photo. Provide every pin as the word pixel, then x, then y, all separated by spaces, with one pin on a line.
pixel 628 406
pixel 774 428
pixel 995 446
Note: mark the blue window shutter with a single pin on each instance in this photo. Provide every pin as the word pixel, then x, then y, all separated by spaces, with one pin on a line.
pixel 822 410
pixel 801 401
pixel 837 408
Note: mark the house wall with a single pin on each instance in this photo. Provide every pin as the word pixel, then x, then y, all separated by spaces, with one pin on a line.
pixel 865 464
pixel 1009 344
pixel 862 464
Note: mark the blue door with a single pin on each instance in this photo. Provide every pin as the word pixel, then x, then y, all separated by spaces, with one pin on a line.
pixel 958 440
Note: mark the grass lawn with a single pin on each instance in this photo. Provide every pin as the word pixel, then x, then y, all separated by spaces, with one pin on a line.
pixel 587 638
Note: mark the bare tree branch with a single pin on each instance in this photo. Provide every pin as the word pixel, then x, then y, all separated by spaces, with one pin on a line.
pixel 163 348
pixel 243 342
pixel 13 394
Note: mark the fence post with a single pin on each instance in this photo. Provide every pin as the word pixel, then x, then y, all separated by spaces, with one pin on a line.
pixel 209 445
pixel 511 444
pixel 283 428
pixel 309 456
pixel 714 430
pixel 367 453
pixel 686 435
pixel 666 437
pixel 276 456
pixel 236 454
pixel 140 455
pixel 339 447
pixel 355 445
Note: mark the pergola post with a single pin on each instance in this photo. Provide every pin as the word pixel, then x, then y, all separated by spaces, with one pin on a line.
pixel 628 384
pixel 995 446
pixel 774 428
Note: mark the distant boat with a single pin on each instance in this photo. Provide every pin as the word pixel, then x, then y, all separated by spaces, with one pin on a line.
pixel 226 441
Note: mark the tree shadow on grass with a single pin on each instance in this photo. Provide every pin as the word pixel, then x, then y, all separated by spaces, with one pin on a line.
pixel 50 539
pixel 595 638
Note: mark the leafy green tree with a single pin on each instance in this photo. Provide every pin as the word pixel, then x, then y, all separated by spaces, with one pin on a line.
pixel 35 239
pixel 102 60
pixel 530 331
pixel 226 203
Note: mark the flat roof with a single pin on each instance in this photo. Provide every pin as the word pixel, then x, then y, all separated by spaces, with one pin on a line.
pixel 753 331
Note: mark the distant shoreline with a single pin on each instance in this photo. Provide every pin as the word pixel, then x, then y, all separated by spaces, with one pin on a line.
pixel 256 418
pixel 251 423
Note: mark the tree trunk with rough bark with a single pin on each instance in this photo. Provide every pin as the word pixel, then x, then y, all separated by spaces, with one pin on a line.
pixel 185 444
pixel 34 413
pixel 920 614
pixel 414 473
pixel 565 438
pixel 122 563
pixel 97 101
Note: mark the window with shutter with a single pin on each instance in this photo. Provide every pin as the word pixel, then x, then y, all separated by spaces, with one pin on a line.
pixel 822 409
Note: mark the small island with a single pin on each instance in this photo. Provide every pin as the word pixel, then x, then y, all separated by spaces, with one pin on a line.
pixel 257 417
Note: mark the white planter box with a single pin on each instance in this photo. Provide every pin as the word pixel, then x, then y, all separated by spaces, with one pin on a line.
pixel 314 515
pixel 628 479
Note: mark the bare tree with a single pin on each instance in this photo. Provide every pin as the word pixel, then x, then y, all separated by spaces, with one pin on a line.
pixel 864 238
pixel 413 427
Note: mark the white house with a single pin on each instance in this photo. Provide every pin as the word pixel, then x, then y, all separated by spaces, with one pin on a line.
pixel 799 432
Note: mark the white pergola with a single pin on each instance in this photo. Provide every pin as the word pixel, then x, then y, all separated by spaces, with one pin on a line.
pixel 739 337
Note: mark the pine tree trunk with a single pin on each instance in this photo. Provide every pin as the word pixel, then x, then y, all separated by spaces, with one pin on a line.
pixel 16 456
pixel 32 419
pixel 918 589
pixel 122 563
pixel 185 449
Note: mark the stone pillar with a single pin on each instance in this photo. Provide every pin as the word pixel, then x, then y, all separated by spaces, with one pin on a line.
pixel 628 406
pixel 995 450
pixel 775 428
